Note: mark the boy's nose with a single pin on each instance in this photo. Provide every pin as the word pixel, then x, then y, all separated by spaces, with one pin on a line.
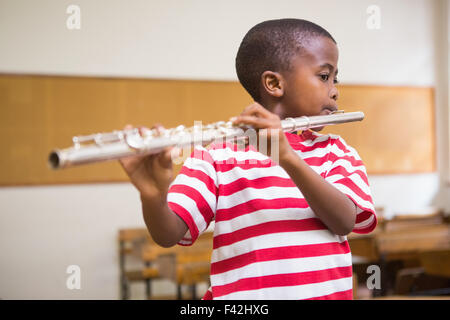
pixel 334 94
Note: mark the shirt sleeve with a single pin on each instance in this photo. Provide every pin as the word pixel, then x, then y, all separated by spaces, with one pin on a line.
pixel 348 174
pixel 193 194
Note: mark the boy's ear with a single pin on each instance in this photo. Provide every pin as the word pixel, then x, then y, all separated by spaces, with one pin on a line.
pixel 273 83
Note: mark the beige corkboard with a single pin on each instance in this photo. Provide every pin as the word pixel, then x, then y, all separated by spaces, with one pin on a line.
pixel 40 113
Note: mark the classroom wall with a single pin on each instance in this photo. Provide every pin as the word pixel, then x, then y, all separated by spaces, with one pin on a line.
pixel 198 39
pixel 44 229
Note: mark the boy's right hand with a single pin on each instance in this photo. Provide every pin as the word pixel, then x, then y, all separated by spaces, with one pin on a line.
pixel 150 174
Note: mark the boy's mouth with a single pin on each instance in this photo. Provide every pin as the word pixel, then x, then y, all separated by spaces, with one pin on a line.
pixel 328 110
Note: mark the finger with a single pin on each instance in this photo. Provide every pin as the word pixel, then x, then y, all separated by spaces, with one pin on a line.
pixel 165 158
pixel 149 161
pixel 143 131
pixel 256 109
pixel 253 106
pixel 159 128
pixel 264 111
pixel 250 110
pixel 125 161
pixel 253 121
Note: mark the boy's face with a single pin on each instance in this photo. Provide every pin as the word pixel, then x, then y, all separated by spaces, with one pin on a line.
pixel 310 86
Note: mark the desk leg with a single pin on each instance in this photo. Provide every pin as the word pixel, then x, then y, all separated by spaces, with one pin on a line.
pixel 123 280
pixel 179 292
pixel 148 285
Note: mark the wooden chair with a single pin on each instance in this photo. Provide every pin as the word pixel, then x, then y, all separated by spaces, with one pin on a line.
pixel 131 242
pixel 417 281
pixel 194 264
pixel 431 278
pixel 184 265
pixel 436 262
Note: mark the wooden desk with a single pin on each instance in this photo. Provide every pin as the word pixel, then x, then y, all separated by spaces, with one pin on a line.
pixel 407 221
pixel 429 245
pixel 405 240
pixel 412 241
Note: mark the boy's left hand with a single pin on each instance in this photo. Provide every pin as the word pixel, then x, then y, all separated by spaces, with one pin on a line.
pixel 268 127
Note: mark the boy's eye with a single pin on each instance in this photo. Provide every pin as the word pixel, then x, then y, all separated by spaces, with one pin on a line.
pixel 325 78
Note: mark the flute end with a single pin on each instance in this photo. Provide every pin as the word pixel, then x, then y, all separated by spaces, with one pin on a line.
pixel 53 160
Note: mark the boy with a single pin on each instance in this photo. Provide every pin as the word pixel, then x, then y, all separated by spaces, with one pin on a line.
pixel 279 226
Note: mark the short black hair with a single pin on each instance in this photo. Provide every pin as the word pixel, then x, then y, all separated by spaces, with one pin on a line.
pixel 271 45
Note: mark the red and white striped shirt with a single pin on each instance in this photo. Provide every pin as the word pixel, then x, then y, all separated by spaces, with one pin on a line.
pixel 268 243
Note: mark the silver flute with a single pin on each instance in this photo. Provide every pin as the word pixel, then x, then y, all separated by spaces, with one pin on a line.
pixel 120 144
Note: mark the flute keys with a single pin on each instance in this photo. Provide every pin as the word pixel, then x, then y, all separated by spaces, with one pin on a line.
pixel 76 142
pixel 134 139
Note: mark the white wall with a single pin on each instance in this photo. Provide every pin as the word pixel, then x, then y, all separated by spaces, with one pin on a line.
pixel 45 229
pixel 198 39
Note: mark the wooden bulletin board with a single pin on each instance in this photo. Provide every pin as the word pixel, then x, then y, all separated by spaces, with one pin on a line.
pixel 398 132
pixel 40 113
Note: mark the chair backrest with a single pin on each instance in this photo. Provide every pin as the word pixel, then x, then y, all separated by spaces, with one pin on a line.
pixel 436 262
pixel 131 240
pixel 132 234
pixel 200 251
